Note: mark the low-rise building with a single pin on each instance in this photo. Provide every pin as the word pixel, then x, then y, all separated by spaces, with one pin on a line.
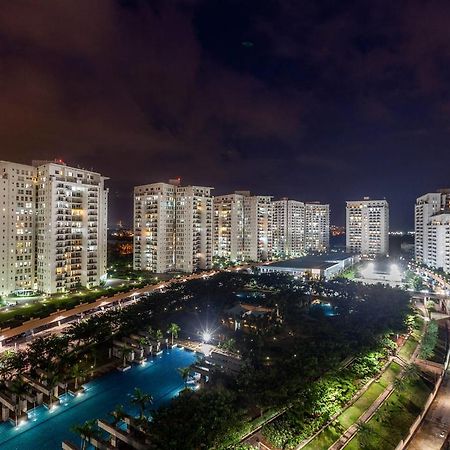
pixel 323 266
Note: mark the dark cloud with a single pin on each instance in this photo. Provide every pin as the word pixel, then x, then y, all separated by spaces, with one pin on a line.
pixel 315 100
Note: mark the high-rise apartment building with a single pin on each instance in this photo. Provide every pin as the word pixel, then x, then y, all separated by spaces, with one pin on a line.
pixel 257 226
pixel 54 219
pixel 288 228
pixel 154 227
pixel 173 227
pixel 317 227
pixel 71 228
pixel 432 229
pixel 194 228
pixel 367 227
pixel 17 232
pixel 229 227
pixel 438 252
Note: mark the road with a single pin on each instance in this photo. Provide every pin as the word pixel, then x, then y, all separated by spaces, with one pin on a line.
pixel 59 320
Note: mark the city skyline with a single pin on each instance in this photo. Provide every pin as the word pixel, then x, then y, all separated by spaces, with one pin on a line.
pixel 310 103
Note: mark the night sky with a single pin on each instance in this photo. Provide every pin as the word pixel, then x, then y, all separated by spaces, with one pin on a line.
pixel 316 100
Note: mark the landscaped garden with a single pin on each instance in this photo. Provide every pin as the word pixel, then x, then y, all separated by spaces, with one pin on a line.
pixel 392 421
pixel 296 361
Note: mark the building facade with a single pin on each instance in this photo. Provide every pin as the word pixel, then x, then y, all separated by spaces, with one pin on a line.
pixel 367 227
pixel 173 227
pixel 17 227
pixel 257 226
pixel 288 229
pixel 431 219
pixel 71 228
pixel 229 227
pixel 54 227
pixel 317 227
pixel 154 227
pixel 426 207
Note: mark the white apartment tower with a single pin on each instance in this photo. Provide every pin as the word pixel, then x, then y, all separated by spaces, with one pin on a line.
pixel 154 227
pixel 257 226
pixel 432 230
pixel 53 227
pixel 317 227
pixel 439 242
pixel 71 228
pixel 172 227
pixel 229 227
pixel 288 229
pixel 426 207
pixel 367 227
pixel 194 228
pixel 17 217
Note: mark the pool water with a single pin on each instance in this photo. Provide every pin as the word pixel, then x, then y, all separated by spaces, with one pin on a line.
pixel 323 308
pixel 47 429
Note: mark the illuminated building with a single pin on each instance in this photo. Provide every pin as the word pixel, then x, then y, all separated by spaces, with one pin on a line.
pixel 288 230
pixel 367 227
pixel 71 227
pixel 172 227
pixel 432 230
pixel 317 227
pixel 17 216
pixel 229 227
pixel 54 225
pixel 257 226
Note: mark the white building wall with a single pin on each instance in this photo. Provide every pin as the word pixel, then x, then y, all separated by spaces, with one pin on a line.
pixel 71 228
pixel 438 242
pixel 288 232
pixel 426 206
pixel 317 227
pixel 17 227
pixel 229 227
pixel 154 227
pixel 367 227
pixel 257 227
pixel 172 228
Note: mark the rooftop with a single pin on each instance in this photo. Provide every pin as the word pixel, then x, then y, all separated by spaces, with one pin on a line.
pixel 322 261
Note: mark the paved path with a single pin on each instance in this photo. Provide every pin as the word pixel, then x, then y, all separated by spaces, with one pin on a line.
pixel 350 433
pixel 366 416
pixel 435 427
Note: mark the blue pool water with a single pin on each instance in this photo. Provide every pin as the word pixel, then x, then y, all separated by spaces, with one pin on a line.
pixel 47 429
pixel 325 308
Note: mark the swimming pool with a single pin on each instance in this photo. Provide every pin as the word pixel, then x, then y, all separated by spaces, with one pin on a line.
pixel 47 429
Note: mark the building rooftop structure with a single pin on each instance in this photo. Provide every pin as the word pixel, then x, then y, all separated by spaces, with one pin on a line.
pixel 325 265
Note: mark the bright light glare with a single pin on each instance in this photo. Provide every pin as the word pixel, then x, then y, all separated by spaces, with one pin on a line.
pixel 206 336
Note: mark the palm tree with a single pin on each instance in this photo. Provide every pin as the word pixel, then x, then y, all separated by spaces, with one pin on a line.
pixel 53 378
pixel 174 329
pixel 184 372
pixel 78 373
pixel 125 352
pixel 19 388
pixel 142 400
pixel 86 430
pixel 118 414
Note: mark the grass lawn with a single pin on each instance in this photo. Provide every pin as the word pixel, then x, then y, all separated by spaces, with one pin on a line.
pixel 348 417
pixel 413 340
pixel 408 348
pixel 392 422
